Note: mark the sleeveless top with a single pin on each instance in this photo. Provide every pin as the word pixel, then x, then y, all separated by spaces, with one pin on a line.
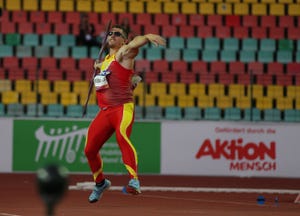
pixel 119 88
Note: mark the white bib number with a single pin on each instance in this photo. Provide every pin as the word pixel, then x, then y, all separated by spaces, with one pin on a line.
pixel 100 81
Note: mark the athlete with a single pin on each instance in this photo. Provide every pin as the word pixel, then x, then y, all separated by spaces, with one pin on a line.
pixel 114 86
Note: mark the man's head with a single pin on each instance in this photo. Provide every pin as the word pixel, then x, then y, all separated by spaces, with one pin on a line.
pixel 117 37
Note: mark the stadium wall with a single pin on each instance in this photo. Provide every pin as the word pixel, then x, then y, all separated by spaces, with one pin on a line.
pixel 208 148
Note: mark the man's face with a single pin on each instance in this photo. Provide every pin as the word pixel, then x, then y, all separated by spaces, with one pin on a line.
pixel 116 38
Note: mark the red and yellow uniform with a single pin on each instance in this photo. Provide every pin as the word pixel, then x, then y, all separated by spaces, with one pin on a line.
pixel 115 99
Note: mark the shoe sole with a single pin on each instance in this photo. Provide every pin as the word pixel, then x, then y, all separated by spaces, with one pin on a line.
pixel 130 190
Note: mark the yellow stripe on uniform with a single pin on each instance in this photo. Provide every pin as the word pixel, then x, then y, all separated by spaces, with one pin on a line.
pixel 126 120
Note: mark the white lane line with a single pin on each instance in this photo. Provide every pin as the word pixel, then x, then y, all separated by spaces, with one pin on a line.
pixel 90 185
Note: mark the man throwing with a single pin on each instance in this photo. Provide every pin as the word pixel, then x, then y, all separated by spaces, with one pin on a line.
pixel 114 85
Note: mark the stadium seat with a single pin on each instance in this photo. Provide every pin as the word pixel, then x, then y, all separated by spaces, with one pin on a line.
pixel 24 51
pixel 28 97
pixel 192 113
pixel 170 7
pixel 18 16
pixel 206 8
pixel 49 98
pixel 223 32
pixel 259 9
pixel 204 101
pixel 214 20
pixel 284 56
pixel 10 97
pixel 276 32
pixel 138 112
pixel 228 55
pixel 67 40
pixel 158 88
pixel 83 5
pixel 22 85
pixel 176 42
pixel 102 7
pixel 205 32
pixel 15 109
pixel 8 27
pixel 241 32
pixel 49 40
pixel 43 28
pixel 259 32
pixel 178 19
pixel 291 115
pixel 277 9
pixel 60 52
pixel 153 7
pixel 161 65
pixel 153 112
pixel 247 56
pixel 61 86
pixel 231 44
pixel 210 55
pixel 13 39
pixel 136 7
pixel 34 110
pixel 212 113
pixel 31 39
pixel 196 89
pixel 194 43
pixel 190 55
pixel 283 103
pixel 243 102
pixel 54 110
pixel 48 5
pixel 286 21
pixel 241 9
pixel 286 45
pixel 74 111
pixel 212 43
pixel 53 74
pixel 272 115
pixel 249 44
pixel 293 9
pixel 267 44
pixel 232 113
pixel 189 7
pixel 173 113
pixel 196 20
pixel 265 56
pixel 67 63
pixel 186 101
pixel 25 28
pixel 177 89
pixel 78 52
pixel 252 114
pixel 169 77
pixel 68 98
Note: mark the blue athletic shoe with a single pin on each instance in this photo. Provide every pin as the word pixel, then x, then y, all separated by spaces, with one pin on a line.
pixel 98 191
pixel 133 187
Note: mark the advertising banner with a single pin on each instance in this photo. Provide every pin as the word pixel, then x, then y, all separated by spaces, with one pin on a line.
pixel 230 149
pixel 39 142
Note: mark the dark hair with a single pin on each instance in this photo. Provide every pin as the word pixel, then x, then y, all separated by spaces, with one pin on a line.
pixel 124 29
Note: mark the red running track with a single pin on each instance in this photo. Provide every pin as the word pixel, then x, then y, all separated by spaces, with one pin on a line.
pixel 19 197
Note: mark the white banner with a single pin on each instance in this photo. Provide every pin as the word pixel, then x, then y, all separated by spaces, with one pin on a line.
pixel 6 125
pixel 230 148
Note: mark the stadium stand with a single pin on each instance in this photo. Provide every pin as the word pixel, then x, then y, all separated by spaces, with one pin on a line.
pixel 250 48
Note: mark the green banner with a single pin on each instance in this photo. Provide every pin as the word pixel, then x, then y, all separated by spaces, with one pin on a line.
pixel 40 142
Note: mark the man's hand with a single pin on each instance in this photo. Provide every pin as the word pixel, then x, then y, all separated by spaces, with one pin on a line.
pixel 97 65
pixel 156 39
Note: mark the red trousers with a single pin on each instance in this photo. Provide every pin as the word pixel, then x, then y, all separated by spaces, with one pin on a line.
pixel 116 119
